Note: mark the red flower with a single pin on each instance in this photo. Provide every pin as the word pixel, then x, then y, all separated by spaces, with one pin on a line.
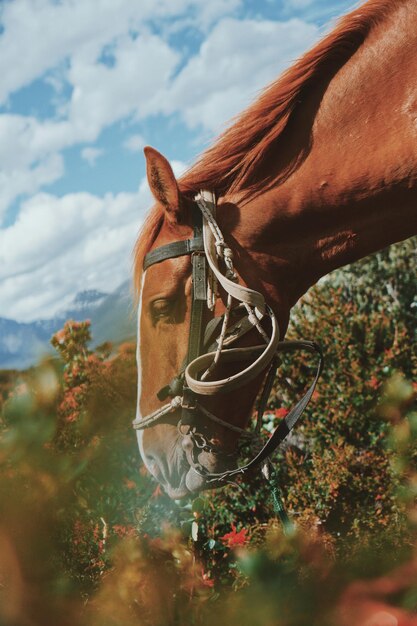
pixel 207 581
pixel 157 492
pixel 130 484
pixel 235 538
pixel 60 336
pixel 124 531
pixel 282 412
pixel 374 382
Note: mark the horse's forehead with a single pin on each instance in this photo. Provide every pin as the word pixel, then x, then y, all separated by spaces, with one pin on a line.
pixel 167 278
pixel 167 275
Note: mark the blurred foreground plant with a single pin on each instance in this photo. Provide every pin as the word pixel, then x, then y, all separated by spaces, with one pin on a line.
pixel 86 539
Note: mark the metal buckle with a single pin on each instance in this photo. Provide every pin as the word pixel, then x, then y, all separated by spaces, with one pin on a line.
pixel 189 401
pixel 199 263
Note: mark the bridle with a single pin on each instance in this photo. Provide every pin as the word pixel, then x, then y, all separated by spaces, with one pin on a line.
pixel 212 266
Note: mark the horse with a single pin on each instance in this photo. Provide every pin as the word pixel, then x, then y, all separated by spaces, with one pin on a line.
pixel 319 172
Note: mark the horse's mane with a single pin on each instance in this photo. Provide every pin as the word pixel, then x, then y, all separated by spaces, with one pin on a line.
pixel 232 162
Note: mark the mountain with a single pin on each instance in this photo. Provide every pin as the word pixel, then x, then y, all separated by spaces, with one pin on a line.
pixel 115 319
pixel 111 315
pixel 83 304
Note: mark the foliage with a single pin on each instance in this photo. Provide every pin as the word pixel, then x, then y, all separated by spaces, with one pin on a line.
pixel 87 538
pixel 338 471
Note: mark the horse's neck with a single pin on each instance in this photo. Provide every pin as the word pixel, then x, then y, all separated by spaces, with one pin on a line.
pixel 356 191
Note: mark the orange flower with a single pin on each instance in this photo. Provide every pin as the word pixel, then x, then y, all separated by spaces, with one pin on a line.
pixel 207 581
pixel 60 336
pixel 235 538
pixel 124 531
pixel 282 412
pixel 374 382
pixel 157 492
pixel 70 402
pixel 130 484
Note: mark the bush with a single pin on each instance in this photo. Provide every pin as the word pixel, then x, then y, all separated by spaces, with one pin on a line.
pixel 86 537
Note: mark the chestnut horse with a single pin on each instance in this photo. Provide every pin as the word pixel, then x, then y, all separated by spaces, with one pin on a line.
pixel 319 172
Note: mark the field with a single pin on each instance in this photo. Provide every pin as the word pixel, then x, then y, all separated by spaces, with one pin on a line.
pixel 87 538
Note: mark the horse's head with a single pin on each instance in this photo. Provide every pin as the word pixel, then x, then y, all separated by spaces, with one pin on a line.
pixel 193 411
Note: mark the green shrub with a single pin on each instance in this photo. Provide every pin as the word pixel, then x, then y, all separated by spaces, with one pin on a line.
pixel 86 537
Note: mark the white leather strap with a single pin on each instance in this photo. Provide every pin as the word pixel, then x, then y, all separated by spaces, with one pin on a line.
pixel 263 354
pixel 239 292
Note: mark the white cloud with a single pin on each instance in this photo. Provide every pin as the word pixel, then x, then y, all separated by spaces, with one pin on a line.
pixel 63 43
pixel 134 143
pixel 49 31
pixel 297 4
pixel 102 95
pixel 208 12
pixel 20 181
pixel 226 74
pixel 178 168
pixel 60 246
pixel 91 154
pixel 216 83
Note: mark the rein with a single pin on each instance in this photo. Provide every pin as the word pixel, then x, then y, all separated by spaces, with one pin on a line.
pixel 212 265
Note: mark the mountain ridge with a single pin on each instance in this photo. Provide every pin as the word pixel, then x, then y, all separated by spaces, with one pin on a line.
pixel 22 344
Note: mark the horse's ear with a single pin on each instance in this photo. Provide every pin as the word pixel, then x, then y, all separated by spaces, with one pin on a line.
pixel 162 183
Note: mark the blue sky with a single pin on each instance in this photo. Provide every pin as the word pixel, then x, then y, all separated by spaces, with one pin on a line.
pixel 85 85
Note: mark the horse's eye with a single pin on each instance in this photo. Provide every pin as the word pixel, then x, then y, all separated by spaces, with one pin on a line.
pixel 161 309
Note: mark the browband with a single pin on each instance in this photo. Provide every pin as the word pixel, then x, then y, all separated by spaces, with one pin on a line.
pixel 173 250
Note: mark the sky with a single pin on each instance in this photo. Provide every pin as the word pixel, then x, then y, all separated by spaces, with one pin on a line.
pixel 85 85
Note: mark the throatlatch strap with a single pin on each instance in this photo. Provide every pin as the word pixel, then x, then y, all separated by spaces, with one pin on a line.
pixel 294 415
pixel 279 508
pixel 288 423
